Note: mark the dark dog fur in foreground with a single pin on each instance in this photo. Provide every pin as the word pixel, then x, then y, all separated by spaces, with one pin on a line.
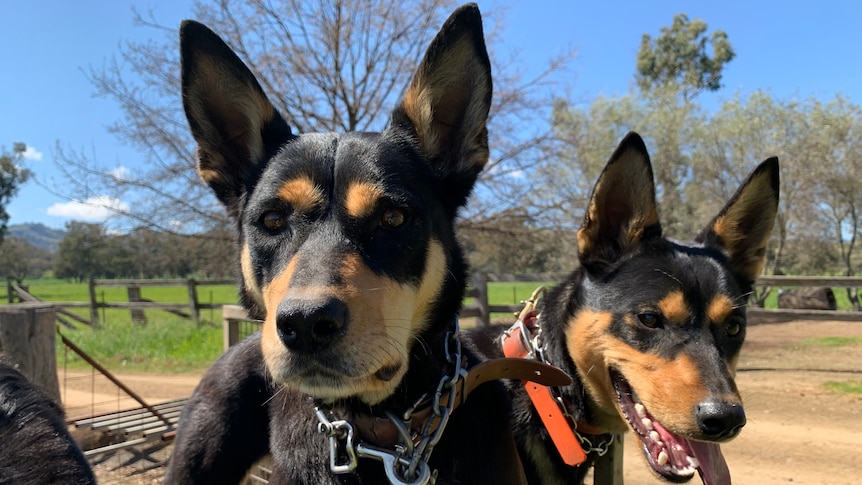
pixel 348 255
pixel 35 445
pixel 650 328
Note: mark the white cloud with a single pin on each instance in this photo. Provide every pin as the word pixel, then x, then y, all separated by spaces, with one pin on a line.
pixel 94 209
pixel 517 174
pixel 120 173
pixel 31 154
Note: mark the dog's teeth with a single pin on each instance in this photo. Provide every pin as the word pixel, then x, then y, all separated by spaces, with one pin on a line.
pixel 663 458
pixel 640 409
pixel 653 435
pixel 647 422
pixel 693 462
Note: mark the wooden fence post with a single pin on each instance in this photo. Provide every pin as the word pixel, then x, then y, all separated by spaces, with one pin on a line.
pixel 231 317
pixel 193 301
pixel 480 284
pixel 138 314
pixel 608 469
pixel 27 336
pixel 94 304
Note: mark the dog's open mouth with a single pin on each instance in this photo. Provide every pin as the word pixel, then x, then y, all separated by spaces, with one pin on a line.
pixel 671 456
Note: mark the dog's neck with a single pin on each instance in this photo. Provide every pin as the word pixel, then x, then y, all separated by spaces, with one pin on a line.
pixel 557 354
pixel 428 365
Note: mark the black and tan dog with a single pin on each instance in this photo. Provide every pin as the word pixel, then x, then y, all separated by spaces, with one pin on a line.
pixel 348 255
pixel 35 445
pixel 650 329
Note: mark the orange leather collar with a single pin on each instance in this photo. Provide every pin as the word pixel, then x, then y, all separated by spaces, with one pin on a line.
pixel 518 341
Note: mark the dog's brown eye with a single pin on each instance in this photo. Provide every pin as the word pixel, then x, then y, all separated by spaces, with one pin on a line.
pixel 650 320
pixel 732 328
pixel 393 217
pixel 274 221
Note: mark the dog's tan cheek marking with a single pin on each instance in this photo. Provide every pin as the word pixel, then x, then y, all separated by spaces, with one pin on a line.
pixel 731 365
pixel 587 342
pixel 302 194
pixel 431 284
pixel 361 199
pixel 379 303
pixel 386 317
pixel 719 309
pixel 248 277
pixel 674 308
pixel 274 352
pixel 670 389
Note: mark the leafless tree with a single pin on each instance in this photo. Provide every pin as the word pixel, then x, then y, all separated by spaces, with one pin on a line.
pixel 335 65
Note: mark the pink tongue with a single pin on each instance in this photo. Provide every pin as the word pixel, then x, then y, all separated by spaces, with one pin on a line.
pixel 713 468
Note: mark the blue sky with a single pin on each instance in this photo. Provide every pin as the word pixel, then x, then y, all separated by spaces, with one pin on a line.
pixel 791 48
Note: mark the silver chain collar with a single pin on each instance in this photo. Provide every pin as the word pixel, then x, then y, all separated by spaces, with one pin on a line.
pixel 538 350
pixel 407 464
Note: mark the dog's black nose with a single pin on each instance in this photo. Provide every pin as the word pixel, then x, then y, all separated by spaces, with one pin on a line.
pixel 720 420
pixel 310 326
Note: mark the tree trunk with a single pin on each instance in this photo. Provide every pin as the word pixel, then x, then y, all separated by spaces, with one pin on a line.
pixel 27 337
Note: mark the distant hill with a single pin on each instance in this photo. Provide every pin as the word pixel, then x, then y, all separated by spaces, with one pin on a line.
pixel 38 235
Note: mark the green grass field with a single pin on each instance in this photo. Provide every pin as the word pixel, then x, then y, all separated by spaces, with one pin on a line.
pixel 845 387
pixel 832 342
pixel 841 387
pixel 168 343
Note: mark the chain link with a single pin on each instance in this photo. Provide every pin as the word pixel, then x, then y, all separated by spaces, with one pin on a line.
pixel 537 351
pixel 407 464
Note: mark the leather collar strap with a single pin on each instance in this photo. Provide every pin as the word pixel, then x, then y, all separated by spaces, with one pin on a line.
pixel 381 431
pixel 518 341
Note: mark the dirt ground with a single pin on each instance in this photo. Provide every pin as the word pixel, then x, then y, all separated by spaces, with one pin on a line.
pixel 798 431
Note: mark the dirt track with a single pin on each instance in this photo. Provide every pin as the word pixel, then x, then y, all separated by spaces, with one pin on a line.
pixel 798 432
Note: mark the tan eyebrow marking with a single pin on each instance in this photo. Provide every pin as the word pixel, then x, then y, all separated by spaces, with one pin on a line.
pixel 361 199
pixel 302 194
pixel 673 307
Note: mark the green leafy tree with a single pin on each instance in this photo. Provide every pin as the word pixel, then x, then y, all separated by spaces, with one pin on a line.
pixel 12 175
pixel 82 251
pixel 19 259
pixel 679 56
pixel 671 71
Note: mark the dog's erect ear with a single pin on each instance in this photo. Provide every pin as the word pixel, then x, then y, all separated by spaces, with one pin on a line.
pixel 622 210
pixel 230 117
pixel 447 103
pixel 743 228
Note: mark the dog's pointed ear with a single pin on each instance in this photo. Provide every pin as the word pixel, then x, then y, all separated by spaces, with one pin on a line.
pixel 622 211
pixel 446 105
pixel 743 227
pixel 230 117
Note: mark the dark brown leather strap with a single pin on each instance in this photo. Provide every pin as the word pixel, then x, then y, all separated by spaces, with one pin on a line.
pixel 380 431
pixel 510 368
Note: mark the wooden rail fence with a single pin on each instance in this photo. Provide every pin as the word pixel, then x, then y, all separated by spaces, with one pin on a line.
pixel 482 309
pixel 136 304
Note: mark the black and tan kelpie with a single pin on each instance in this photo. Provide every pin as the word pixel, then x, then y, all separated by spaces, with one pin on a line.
pixel 348 256
pixel 650 329
pixel 36 445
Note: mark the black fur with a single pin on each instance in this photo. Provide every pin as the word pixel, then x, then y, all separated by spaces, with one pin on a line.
pixel 349 256
pixel 618 309
pixel 35 445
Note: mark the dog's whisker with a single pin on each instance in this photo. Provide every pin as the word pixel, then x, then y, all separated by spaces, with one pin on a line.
pixel 280 390
pixel 669 276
